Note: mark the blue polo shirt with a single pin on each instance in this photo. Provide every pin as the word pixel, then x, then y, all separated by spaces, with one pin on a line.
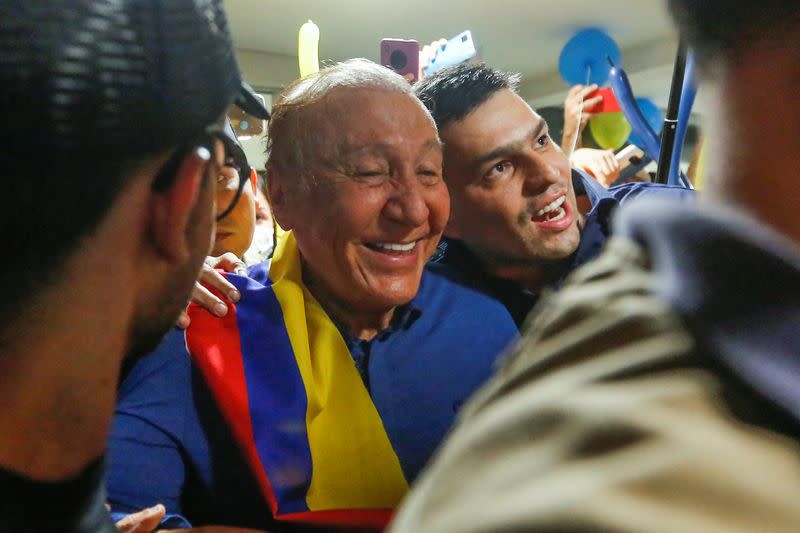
pixel 597 228
pixel 170 444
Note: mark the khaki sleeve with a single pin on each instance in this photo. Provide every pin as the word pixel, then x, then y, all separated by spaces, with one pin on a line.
pixel 600 421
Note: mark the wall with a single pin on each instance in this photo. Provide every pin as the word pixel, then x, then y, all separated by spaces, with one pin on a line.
pixel 267 71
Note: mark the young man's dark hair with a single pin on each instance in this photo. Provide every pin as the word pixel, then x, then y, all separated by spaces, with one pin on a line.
pixel 110 141
pixel 453 92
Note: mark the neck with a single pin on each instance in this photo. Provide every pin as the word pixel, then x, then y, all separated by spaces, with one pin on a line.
pixel 358 323
pixel 533 277
pixel 757 103
pixel 59 384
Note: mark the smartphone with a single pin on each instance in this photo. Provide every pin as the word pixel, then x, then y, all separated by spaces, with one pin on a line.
pixel 402 56
pixel 629 155
pixel 457 50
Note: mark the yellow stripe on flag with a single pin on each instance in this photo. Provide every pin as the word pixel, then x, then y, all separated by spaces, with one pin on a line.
pixel 354 464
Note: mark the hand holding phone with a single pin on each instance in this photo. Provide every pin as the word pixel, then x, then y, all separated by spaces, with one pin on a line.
pixel 457 50
pixel 402 56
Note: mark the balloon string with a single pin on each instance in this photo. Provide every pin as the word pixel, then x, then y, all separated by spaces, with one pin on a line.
pixel 580 114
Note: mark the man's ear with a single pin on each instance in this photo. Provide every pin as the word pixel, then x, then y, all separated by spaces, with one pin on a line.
pixel 171 209
pixel 278 197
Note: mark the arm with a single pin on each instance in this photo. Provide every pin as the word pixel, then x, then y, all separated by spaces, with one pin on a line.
pixel 601 164
pixel 572 112
pixel 145 456
pixel 601 421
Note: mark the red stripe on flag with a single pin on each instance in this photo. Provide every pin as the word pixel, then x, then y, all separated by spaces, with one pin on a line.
pixel 359 519
pixel 215 348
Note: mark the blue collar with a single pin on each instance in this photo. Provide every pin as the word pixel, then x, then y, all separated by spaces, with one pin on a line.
pixel 403 318
pixel 586 185
pixel 596 228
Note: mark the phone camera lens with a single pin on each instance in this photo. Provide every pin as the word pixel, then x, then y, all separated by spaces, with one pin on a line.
pixel 398 60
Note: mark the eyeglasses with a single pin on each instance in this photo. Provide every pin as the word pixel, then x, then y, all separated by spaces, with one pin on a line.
pixel 207 140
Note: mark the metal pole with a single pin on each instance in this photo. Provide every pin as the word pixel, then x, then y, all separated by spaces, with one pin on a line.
pixel 671 118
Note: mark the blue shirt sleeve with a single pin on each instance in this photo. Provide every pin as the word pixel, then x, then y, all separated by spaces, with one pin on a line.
pixel 145 456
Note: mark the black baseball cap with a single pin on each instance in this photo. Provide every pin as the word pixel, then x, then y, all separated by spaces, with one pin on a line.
pixel 114 78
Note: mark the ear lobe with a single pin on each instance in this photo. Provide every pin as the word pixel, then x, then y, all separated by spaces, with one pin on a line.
pixel 171 209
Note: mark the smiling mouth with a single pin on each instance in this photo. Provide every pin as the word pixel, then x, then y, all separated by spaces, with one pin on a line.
pixel 552 212
pixel 392 248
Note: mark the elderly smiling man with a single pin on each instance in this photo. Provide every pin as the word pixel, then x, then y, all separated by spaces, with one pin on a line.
pixel 320 396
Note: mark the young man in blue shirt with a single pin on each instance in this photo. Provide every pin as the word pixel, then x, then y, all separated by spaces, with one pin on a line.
pixel 521 218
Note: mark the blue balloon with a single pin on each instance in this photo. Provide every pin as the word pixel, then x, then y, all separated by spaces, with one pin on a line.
pixel 587 52
pixel 652 115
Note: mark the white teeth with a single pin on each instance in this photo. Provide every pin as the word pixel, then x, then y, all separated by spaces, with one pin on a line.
pixel 396 247
pixel 561 214
pixel 555 204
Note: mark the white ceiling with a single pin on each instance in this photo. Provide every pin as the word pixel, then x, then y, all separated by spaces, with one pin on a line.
pixel 521 35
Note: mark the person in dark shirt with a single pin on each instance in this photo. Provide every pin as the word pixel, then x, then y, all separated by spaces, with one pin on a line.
pixel 111 143
pixel 521 218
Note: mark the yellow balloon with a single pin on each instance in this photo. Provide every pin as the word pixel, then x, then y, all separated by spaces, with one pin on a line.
pixel 308 49
pixel 610 130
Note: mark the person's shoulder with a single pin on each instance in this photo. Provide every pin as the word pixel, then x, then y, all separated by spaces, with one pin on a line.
pixel 448 291
pixel 605 308
pixel 259 272
pixel 450 285
pixel 168 365
pixel 612 390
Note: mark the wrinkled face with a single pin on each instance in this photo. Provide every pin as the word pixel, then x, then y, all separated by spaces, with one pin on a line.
pixel 510 184
pixel 235 231
pixel 374 207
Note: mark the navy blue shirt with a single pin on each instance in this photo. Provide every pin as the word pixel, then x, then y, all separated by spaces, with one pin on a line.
pixel 597 228
pixel 169 443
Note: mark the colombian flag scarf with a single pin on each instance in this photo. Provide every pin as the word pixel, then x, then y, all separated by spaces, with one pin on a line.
pixel 286 383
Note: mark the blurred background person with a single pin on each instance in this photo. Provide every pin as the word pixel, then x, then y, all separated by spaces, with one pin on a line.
pixel 600 164
pixel 100 276
pixel 234 233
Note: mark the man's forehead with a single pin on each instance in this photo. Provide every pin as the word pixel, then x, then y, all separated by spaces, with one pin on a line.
pixel 355 147
pixel 350 124
pixel 501 120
